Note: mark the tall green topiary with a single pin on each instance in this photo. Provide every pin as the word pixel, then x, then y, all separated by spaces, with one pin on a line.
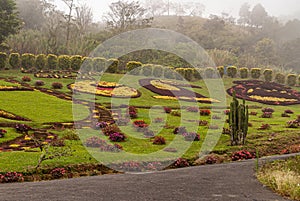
pixel 209 72
pixel 132 65
pixel 87 65
pixel 99 64
pixel 52 62
pixel 40 61
pixel 280 78
pixel 147 69
pixel 221 70
pixel 244 73
pixel 28 61
pixel 188 74
pixel 64 62
pixel 112 65
pixel 14 60
pixel 231 71
pixel 255 73
pixel 268 75
pixel 169 73
pixel 3 60
pixel 238 121
pixel 158 71
pixel 292 79
pixel 76 61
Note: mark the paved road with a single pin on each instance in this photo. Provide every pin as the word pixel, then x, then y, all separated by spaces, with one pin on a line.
pixel 225 182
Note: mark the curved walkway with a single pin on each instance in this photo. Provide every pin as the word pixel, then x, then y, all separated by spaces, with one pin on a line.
pixel 224 182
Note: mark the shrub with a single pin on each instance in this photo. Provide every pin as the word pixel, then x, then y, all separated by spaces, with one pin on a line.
pixel 11 177
pixel 221 71
pixel 253 113
pixel 26 79
pixel 271 110
pixel 147 69
pixel 209 72
pixel 227 112
pixel 40 61
pixel 167 110
pixel 244 73
pixel 87 64
pixel 39 83
pixel 131 65
pixel 188 74
pixel 111 129
pixel 264 127
pixel 213 127
pixel 181 162
pixel 267 115
pixel 159 140
pixel 216 117
pixel 285 115
pixel 58 173
pixel 280 78
pixel 22 128
pixel 76 62
pixel 176 113
pixel 180 130
pixel 3 59
pixel 180 73
pixel 112 65
pixel 268 75
pixel 293 124
pixel 204 112
pixel 27 61
pixel 203 123
pixel 2 133
pixel 64 62
pixel 192 109
pixel 211 160
pixel 52 62
pixel 140 125
pixel 158 71
pixel 232 71
pixel 94 142
pixel 292 79
pixel 169 73
pixel 99 64
pixel 191 136
pixel 242 155
pixel 14 60
pixel 117 137
pixel 149 133
pixel 289 111
pixel 255 73
pixel 101 125
pixel 132 112
pixel 57 85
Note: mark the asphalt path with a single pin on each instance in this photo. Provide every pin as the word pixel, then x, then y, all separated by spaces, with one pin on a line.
pixel 232 182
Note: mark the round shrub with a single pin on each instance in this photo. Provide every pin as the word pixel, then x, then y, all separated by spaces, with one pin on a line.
pixel 188 74
pixel 40 61
pixel 158 71
pixel 52 62
pixel 147 69
pixel 159 140
pixel 76 62
pixel 169 73
pixel 3 59
pixel 113 65
pixel 27 61
pixel 57 85
pixel 26 79
pixel 14 60
pixel 232 71
pixel 221 70
pixel 64 62
pixel 131 65
pixel 244 73
pixel 99 64
pixel 255 73
pixel 268 75
pixel 87 65
pixel 209 72
pixel 39 83
pixel 180 73
pixel 292 79
pixel 280 78
pixel 198 74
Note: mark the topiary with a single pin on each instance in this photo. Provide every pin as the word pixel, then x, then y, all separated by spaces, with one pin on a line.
pixel 14 60
pixel 158 71
pixel 3 60
pixel 292 79
pixel 99 64
pixel 209 72
pixel 169 73
pixel 232 71
pixel 40 61
pixel 131 65
pixel 221 70
pixel 52 62
pixel 255 73
pixel 64 62
pixel 147 69
pixel 76 62
pixel 27 61
pixel 57 85
pixel 268 75
pixel 280 78
pixel 113 65
pixel 244 73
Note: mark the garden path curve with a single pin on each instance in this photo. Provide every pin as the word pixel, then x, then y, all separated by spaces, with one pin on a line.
pixel 224 182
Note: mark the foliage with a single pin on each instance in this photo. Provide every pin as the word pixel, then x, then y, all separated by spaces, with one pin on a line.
pixel 192 109
pixel 268 109
pixel 11 177
pixel 14 60
pixel 22 128
pixel 180 130
pixel 111 129
pixel 64 62
pixel 147 70
pixel 242 155
pixel 221 70
pixel 205 112
pixel 28 60
pixel 52 62
pixel 158 71
pixel 209 72
pixel 244 73
pixel 181 162
pixel 39 83
pixel 159 140
pixel 101 125
pixel 113 65
pixel 267 115
pixel 94 142
pixel 58 173
pixel 26 79
pixel 57 85
pixel 131 65
pixel 117 137
pixel 99 64
pixel 255 73
pixel 2 133
pixel 76 61
pixel 268 75
pixel 3 59
pixel 292 79
pixel 280 78
pixel 232 71
pixel 41 61
pixel 190 136
pixel 167 110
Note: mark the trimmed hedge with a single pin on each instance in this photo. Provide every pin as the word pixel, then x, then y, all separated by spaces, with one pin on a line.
pixel 292 79
pixel 147 69
pixel 280 78
pixel 244 73
pixel 232 71
pixel 158 71
pixel 133 65
pixel 64 62
pixel 3 60
pixel 268 75
pixel 76 62
pixel 28 60
pixel 99 64
pixel 113 65
pixel 255 73
pixel 14 60
pixel 221 70
pixel 209 72
pixel 52 62
pixel 40 61
pixel 169 73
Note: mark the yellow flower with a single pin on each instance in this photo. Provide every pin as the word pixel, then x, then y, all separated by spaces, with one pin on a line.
pixel 14 145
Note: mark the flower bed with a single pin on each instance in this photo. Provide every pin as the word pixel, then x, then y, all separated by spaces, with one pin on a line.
pixel 269 93
pixel 14 88
pixel 109 89
pixel 170 91
pixel 7 115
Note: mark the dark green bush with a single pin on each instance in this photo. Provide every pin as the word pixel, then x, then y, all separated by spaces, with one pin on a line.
pixel 209 72
pixel 158 71
pixel 188 74
pixel 40 61
pixel 132 65
pixel 147 69
pixel 198 73
pixel 232 71
pixel 113 65
pixel 52 62
pixel 28 61
pixel 221 70
pixel 76 61
pixel 180 73
pixel 244 73
pixel 87 65
pixel 14 60
pixel 57 85
pixel 255 73
pixel 280 78
pixel 268 75
pixel 292 79
pixel 64 62
pixel 3 60
pixel 99 64
pixel 169 73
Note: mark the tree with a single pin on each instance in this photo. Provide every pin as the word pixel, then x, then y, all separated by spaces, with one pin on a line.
pixel 125 15
pixel 156 7
pixel 265 51
pixel 258 16
pixel 10 23
pixel 71 6
pixel 84 18
pixel 244 14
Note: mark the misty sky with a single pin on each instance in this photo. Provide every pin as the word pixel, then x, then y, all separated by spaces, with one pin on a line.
pixel 276 8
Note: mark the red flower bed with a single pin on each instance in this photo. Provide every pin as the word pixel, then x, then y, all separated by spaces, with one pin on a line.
pixel 269 93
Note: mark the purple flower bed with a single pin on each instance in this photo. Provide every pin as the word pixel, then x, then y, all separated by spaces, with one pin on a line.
pixel 117 137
